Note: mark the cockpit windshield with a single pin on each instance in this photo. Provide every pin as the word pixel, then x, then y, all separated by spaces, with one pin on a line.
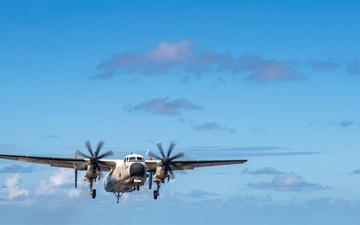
pixel 134 159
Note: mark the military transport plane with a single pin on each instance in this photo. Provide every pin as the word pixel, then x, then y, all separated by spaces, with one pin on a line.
pixel 125 175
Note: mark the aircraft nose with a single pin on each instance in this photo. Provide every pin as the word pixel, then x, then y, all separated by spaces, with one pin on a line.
pixel 137 169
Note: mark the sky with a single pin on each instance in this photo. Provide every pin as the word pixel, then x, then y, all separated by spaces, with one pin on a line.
pixel 276 83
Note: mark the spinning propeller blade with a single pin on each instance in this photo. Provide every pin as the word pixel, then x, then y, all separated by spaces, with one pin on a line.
pixel 94 158
pixel 166 160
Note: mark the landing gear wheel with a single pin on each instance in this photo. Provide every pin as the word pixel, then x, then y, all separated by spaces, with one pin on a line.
pixel 93 194
pixel 156 194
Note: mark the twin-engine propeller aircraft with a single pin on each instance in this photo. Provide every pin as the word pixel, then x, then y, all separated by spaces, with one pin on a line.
pixel 125 175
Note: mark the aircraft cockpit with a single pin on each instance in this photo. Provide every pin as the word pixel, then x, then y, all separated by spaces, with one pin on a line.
pixel 134 158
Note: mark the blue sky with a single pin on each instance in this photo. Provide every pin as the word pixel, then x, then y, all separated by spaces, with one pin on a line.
pixel 276 83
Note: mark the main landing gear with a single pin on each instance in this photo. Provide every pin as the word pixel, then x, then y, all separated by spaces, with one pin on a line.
pixel 156 192
pixel 92 191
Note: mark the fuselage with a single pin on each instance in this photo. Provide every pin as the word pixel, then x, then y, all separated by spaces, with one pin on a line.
pixel 128 175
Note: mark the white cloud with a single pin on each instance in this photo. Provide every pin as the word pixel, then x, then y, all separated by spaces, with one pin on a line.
pixel 171 52
pixel 288 182
pixel 11 189
pixel 59 178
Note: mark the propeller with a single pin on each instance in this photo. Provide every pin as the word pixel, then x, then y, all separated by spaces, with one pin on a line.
pixel 95 157
pixel 167 160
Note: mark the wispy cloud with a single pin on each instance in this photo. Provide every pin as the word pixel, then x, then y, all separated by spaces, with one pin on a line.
pixel 14 168
pixel 288 182
pixel 265 170
pixel 52 136
pixel 328 64
pixel 264 70
pixel 357 171
pixel 164 106
pixel 258 130
pixel 345 123
pixel 353 67
pixel 213 126
pixel 252 151
pixel 199 193
pixel 185 57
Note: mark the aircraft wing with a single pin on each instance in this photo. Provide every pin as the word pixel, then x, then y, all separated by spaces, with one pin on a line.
pixel 80 164
pixel 191 164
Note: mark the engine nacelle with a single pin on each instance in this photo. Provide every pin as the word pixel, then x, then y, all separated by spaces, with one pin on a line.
pixel 92 172
pixel 161 174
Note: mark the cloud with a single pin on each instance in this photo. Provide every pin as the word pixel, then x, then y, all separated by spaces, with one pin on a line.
pixel 164 106
pixel 158 60
pixel 59 178
pixel 357 171
pixel 168 57
pixel 328 64
pixel 52 136
pixel 199 194
pixel 262 70
pixel 353 67
pixel 345 123
pixel 282 181
pixel 265 170
pixel 13 168
pixel 11 190
pixel 212 126
pixel 258 130
pixel 185 57
pixel 252 151
pixel 289 182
